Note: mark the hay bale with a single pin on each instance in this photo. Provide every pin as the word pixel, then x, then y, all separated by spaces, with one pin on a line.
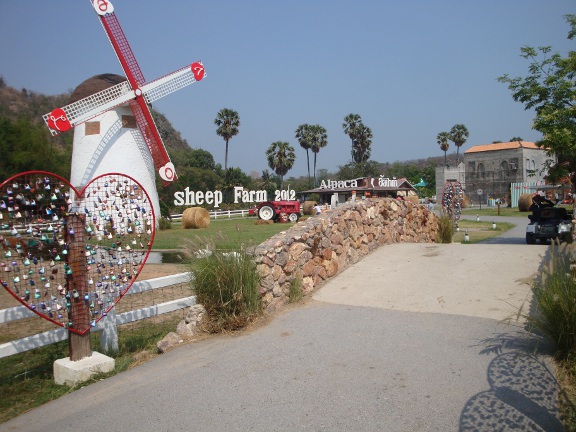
pixel 413 199
pixel 524 202
pixel 263 222
pixel 308 208
pixel 195 217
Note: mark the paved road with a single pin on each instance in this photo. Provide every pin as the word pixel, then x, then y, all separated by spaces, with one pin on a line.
pixel 409 339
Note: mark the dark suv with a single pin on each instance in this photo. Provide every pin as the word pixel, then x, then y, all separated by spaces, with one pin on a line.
pixel 549 223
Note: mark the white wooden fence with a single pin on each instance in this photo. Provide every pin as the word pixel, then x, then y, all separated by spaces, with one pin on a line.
pixel 224 214
pixel 60 334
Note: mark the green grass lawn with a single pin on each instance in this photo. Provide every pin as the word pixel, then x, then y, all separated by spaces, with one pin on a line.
pixel 26 379
pixel 504 211
pixel 224 233
pixel 478 231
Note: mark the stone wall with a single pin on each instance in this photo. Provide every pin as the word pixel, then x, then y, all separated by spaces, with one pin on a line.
pixel 321 246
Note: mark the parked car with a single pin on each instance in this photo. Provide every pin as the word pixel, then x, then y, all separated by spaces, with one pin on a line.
pixel 549 223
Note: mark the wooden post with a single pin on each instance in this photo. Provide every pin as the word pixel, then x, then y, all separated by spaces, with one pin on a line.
pixel 77 280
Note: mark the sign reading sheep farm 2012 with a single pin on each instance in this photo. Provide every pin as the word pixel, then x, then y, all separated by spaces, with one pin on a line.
pixel 241 195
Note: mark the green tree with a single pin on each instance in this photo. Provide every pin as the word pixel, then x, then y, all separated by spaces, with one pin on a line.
pixel 514 139
pixel 360 135
pixel 233 177
pixel 361 148
pixel 358 169
pixel 458 135
pixel 281 158
pixel 268 183
pixel 442 140
pixel 228 123
pixel 350 126
pixel 304 139
pixel 322 174
pixel 197 158
pixel 26 146
pixel 319 139
pixel 550 90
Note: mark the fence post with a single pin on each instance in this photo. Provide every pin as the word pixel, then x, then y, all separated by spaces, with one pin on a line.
pixel 109 334
pixel 77 279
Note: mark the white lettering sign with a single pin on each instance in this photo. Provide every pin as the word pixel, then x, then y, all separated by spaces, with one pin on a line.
pixel 387 182
pixel 248 196
pixel 337 184
pixel 241 195
pixel 191 198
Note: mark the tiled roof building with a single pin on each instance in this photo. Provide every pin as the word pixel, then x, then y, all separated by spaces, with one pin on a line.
pixel 493 167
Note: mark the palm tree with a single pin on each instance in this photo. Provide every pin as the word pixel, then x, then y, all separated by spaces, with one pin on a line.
pixel 281 158
pixel 228 123
pixel 458 135
pixel 350 126
pixel 319 139
pixel 303 137
pixel 361 145
pixel 442 140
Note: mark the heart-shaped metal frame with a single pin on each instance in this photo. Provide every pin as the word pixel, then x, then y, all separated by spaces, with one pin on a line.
pixel 69 255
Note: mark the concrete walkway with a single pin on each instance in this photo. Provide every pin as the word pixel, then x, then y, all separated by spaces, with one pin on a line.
pixel 409 339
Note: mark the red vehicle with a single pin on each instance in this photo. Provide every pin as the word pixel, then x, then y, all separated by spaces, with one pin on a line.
pixel 280 211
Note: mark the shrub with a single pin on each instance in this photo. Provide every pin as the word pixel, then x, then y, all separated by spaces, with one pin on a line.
pixel 445 228
pixel 164 224
pixel 314 197
pixel 226 284
pixel 554 297
pixel 295 294
pixel 164 210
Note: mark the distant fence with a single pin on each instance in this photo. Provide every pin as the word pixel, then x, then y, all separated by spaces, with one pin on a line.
pixel 224 214
pixel 52 336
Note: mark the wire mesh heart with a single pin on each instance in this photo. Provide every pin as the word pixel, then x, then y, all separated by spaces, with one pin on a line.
pixel 69 255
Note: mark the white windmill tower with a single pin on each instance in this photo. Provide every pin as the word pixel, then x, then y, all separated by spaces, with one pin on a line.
pixel 119 134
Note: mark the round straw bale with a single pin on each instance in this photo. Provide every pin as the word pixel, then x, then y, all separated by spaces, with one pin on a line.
pixel 308 208
pixel 195 217
pixel 412 198
pixel 524 202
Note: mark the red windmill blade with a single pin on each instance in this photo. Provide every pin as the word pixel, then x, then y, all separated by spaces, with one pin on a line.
pixel 136 91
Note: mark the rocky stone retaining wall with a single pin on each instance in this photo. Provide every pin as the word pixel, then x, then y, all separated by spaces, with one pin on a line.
pixel 322 246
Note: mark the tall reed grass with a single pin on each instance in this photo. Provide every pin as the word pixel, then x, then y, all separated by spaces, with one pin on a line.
pixel 554 298
pixel 445 228
pixel 226 284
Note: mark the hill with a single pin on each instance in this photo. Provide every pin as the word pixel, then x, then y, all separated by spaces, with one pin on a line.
pixel 26 144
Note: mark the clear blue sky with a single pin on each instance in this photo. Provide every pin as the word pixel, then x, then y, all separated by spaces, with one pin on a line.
pixel 410 68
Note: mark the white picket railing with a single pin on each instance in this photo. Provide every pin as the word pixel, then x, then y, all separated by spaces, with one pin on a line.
pixel 218 214
pixel 60 334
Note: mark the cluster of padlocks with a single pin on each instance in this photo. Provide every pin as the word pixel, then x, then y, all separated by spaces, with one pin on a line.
pixel 65 252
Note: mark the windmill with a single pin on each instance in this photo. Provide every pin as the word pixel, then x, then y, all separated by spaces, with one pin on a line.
pixel 135 91
pixel 78 213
